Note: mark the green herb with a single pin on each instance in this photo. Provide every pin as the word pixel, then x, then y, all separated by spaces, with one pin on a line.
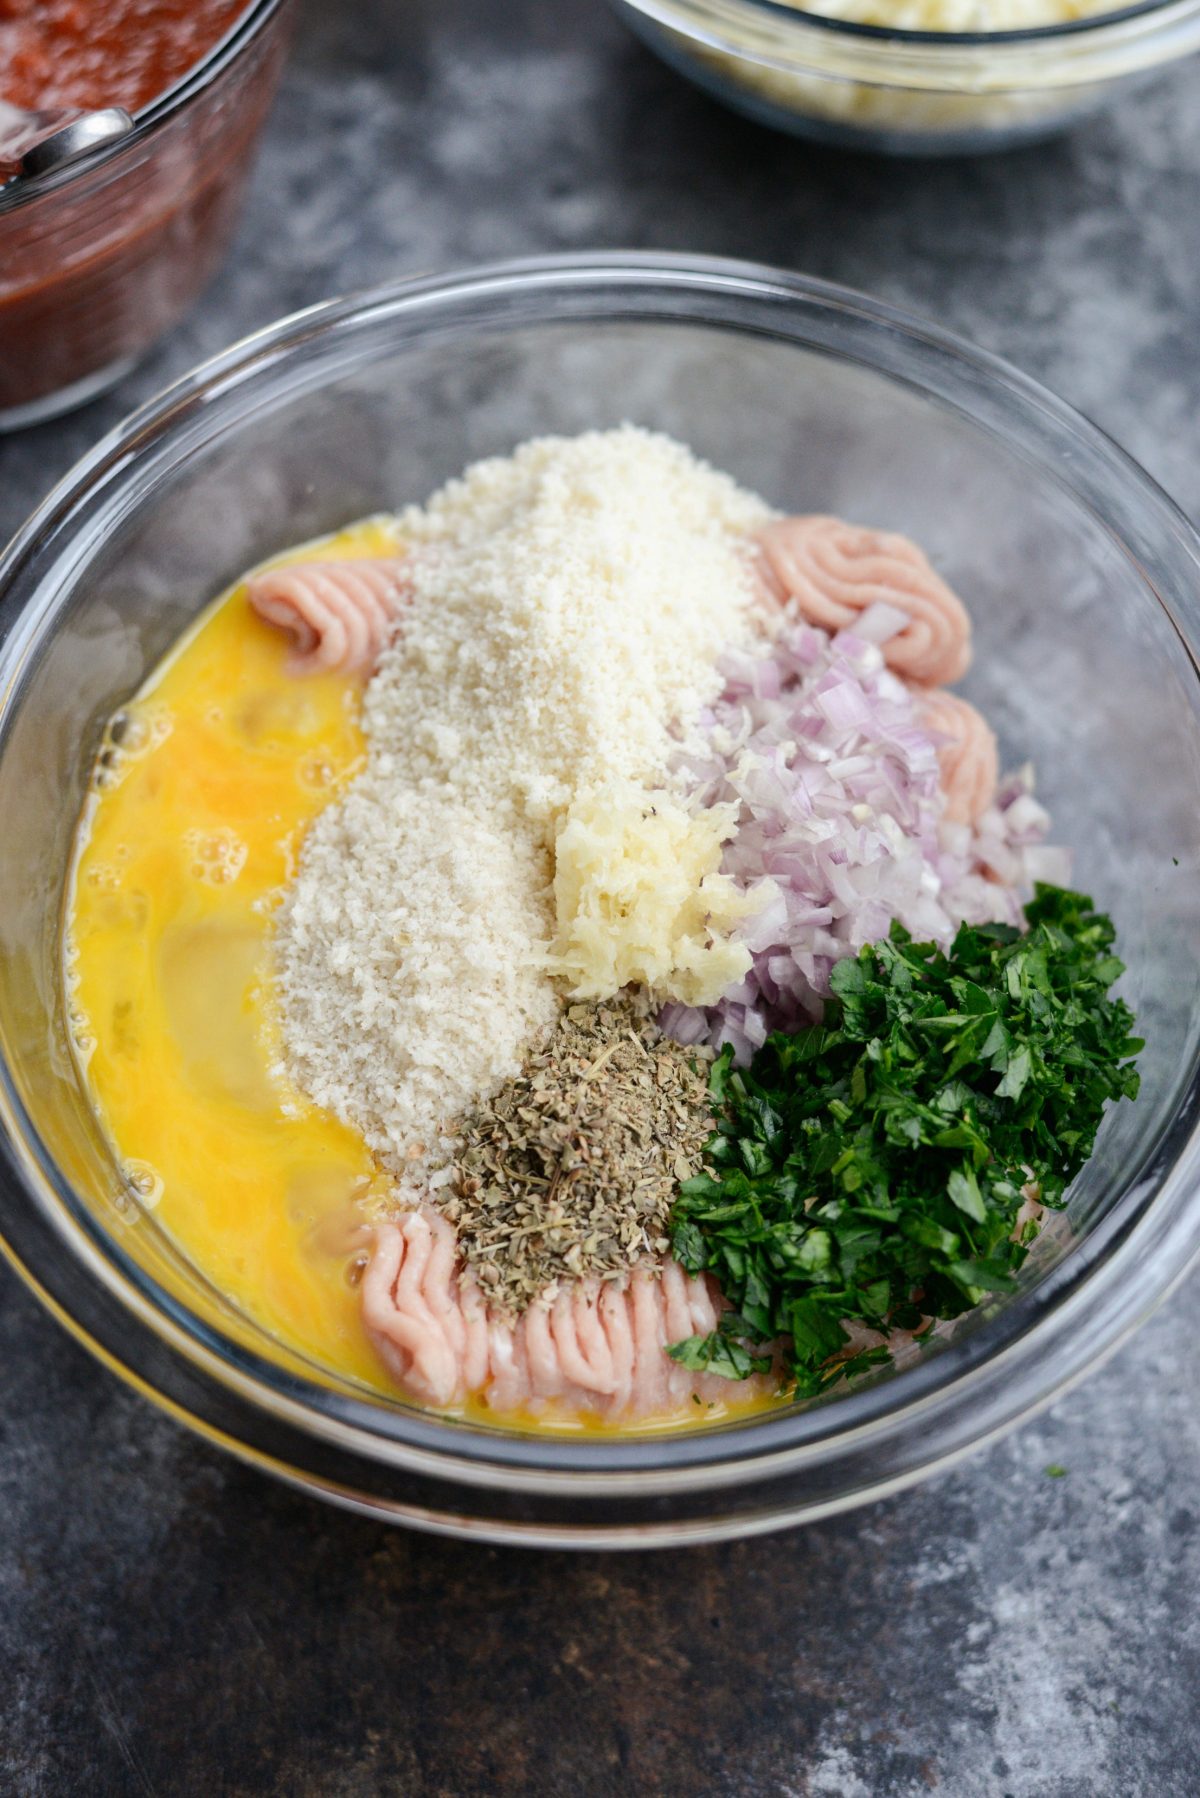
pixel 1056 1471
pixel 881 1169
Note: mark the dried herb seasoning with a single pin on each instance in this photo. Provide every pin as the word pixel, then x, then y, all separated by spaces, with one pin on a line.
pixel 572 1168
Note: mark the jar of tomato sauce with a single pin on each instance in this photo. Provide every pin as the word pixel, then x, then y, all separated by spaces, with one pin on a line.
pixel 100 257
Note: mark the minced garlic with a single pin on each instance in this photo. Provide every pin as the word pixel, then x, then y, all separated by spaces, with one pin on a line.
pixel 640 899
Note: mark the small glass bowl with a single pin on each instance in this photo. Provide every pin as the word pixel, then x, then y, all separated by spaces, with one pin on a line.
pixel 100 258
pixel 910 93
pixel 1084 585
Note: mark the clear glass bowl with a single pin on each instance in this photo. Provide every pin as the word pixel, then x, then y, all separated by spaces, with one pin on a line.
pixel 910 93
pixel 1084 583
pixel 100 258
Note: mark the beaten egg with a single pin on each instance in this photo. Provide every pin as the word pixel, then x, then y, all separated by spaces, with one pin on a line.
pixel 200 798
pixel 202 794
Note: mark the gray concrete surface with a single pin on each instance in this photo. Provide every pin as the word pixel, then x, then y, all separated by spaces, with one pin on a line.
pixel 173 1624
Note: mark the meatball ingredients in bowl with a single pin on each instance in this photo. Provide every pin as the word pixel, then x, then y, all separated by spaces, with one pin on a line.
pixel 567 1016
pixel 640 775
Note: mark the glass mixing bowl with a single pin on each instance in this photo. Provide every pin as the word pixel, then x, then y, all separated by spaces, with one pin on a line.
pixel 1084 583
pixel 100 258
pixel 910 93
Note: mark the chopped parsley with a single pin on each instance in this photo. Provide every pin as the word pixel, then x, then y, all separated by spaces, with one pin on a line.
pixel 872 1170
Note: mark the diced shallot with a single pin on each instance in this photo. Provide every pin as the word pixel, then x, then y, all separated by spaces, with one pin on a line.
pixel 848 802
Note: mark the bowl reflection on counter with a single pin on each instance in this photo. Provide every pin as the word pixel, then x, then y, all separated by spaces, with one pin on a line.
pixel 910 93
pixel 1084 584
pixel 99 259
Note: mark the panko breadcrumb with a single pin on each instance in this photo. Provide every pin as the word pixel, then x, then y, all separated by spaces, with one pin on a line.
pixel 569 603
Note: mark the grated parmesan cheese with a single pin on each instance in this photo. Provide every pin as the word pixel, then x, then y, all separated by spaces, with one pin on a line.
pixel 569 605
pixel 570 602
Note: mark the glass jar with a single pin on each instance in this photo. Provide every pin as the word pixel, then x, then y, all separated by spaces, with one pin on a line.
pixel 910 93
pixel 100 258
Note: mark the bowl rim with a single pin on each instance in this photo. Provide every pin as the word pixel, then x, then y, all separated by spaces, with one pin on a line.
pixel 964 1394
pixel 249 25
pixel 796 16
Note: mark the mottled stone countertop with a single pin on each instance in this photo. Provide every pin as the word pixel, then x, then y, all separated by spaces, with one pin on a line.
pixel 174 1624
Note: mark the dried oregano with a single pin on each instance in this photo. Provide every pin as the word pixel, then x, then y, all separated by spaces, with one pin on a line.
pixel 572 1168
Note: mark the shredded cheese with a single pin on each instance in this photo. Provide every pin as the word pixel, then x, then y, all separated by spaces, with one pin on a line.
pixel 957 15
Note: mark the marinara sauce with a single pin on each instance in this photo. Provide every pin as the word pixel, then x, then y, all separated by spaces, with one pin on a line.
pixel 99 260
pixel 97 53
